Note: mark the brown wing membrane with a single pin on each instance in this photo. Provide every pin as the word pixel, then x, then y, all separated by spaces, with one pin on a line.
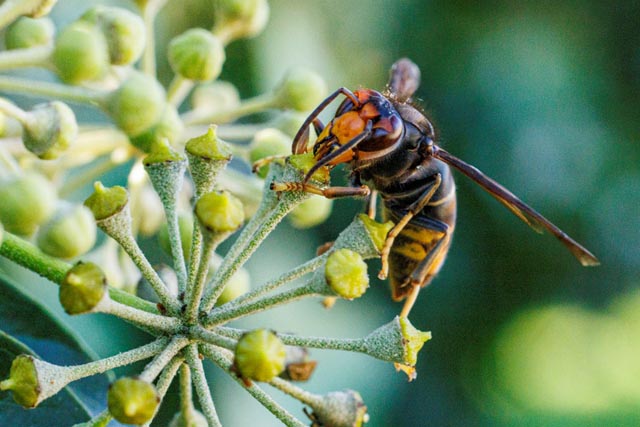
pixel 404 79
pixel 517 206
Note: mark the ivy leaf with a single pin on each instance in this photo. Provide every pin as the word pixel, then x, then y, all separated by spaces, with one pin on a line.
pixel 28 327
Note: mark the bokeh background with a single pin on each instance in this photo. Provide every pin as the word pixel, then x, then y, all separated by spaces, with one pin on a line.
pixel 544 97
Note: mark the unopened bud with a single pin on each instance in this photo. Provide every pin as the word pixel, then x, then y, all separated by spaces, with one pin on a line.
pixel 69 233
pixel 208 155
pixel 215 97
pixel 301 90
pixel 123 31
pixel 268 142
pixel 197 55
pixel 260 355
pixel 168 128
pixel 49 129
pixel 235 287
pixel 311 212
pixel 32 380
pixel 219 212
pixel 82 288
pixel 346 273
pixel 132 401
pixel 80 53
pixel 138 104
pixel 105 202
pixel 196 420
pixel 28 32
pixel 27 201
pixel 236 19
pixel 340 409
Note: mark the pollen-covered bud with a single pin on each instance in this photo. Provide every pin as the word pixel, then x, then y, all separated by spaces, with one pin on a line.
pixel 340 409
pixel 49 129
pixel 32 380
pixel 301 90
pixel 207 155
pixel 197 55
pixel 219 212
pixel 69 233
pixel 80 53
pixel 106 202
pixel 414 339
pixel 82 288
pixel 168 128
pixel 28 32
pixel 123 31
pixel 260 355
pixel 215 96
pixel 377 231
pixel 235 19
pixel 311 212
pixel 185 225
pixel 196 420
pixel 268 142
pixel 138 104
pixel 27 201
pixel 346 273
pixel 304 163
pixel 132 401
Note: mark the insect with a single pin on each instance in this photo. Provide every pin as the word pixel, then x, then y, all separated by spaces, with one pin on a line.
pixel 390 148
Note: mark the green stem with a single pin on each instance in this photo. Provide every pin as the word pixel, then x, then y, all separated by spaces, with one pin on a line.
pixel 10 10
pixel 100 420
pixel 53 90
pixel 201 386
pixel 164 381
pixel 122 359
pixel 195 289
pixel 155 322
pixel 97 169
pixel 296 392
pixel 162 359
pixel 29 256
pixel 14 111
pixel 253 105
pixel 29 57
pixel 223 359
pixel 178 90
pixel 149 12
pixel 186 396
pixel 218 316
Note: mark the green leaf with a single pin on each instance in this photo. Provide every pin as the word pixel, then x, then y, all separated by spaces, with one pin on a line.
pixel 27 325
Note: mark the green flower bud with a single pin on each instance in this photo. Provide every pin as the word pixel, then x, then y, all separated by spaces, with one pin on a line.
pixel 27 201
pixel 28 32
pixel 196 54
pixel 311 212
pixel 69 233
pixel 197 420
pixel 106 202
pixel 268 142
pixel 1 233
pixel 49 129
pixel 377 231
pixel 82 288
pixel 39 8
pixel 346 273
pixel 138 104
pixel 132 401
pixel 80 53
pixel 237 285
pixel 413 340
pixel 168 128
pixel 123 31
pixel 301 90
pixel 33 380
pixel 236 19
pixel 207 155
pixel 219 212
pixel 185 223
pixel 215 97
pixel 340 409
pixel 260 355
pixel 290 121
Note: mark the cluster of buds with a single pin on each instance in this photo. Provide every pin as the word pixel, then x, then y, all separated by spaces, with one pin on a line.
pixel 181 190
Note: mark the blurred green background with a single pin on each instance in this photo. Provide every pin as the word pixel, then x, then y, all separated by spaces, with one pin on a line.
pixel 544 97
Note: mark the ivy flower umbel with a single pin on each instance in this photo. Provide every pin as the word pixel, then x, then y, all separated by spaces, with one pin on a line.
pixel 95 59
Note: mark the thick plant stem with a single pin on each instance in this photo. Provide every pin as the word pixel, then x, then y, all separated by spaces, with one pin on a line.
pixel 153 369
pixel 149 12
pixel 250 106
pixel 186 395
pixel 164 381
pixel 27 255
pixel 178 90
pixel 30 57
pixel 148 321
pixel 223 358
pixel 201 386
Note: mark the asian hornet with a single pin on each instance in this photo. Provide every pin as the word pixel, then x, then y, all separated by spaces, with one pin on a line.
pixel 390 147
